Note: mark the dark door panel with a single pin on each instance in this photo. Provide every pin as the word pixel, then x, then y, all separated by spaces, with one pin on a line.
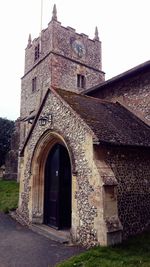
pixel 57 202
pixel 52 188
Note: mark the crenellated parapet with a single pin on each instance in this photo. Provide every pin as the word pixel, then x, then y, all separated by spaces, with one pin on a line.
pixel 66 42
pixel 58 57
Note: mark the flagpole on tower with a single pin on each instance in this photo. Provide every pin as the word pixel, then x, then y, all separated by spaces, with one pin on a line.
pixel 41 15
pixel 41 25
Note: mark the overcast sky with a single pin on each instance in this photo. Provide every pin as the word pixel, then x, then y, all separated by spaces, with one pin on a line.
pixel 123 29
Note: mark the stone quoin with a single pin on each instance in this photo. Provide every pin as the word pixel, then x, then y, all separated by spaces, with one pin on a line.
pixel 84 142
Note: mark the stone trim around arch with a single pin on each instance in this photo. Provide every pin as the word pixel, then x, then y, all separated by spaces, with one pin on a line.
pixel 89 226
pixel 42 149
pixel 89 196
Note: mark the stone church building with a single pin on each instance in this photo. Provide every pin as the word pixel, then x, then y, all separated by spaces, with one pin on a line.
pixel 84 142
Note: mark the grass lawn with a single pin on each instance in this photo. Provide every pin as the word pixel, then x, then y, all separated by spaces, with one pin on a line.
pixel 9 191
pixel 133 253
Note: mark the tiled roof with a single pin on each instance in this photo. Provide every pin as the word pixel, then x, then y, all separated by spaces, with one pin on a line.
pixel 111 122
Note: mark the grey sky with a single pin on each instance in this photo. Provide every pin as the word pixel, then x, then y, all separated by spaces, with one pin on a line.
pixel 123 29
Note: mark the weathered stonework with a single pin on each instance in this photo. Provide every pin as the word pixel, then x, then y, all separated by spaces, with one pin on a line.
pixel 89 226
pixel 110 183
pixel 57 65
pixel 131 170
pixel 132 92
pixel 11 162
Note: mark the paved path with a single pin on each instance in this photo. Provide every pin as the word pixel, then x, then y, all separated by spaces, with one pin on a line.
pixel 20 247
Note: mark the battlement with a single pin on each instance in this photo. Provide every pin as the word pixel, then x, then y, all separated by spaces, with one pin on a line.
pixel 64 41
pixel 62 58
pixel 63 27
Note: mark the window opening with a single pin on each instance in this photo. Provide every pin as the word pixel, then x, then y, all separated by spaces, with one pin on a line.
pixel 80 81
pixel 37 52
pixel 34 83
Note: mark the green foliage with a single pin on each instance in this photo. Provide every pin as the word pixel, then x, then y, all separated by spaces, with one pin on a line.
pixel 6 129
pixel 135 252
pixel 9 191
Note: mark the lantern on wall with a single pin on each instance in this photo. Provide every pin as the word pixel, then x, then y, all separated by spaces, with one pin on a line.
pixel 43 120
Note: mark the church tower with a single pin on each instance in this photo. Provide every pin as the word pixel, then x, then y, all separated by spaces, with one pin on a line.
pixel 61 58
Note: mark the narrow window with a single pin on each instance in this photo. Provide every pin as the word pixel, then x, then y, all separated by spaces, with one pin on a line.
pixel 37 52
pixel 80 81
pixel 24 130
pixel 34 81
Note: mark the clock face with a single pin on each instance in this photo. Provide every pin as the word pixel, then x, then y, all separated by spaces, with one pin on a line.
pixel 78 48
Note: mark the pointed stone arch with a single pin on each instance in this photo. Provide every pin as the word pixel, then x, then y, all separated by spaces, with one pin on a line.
pixel 40 154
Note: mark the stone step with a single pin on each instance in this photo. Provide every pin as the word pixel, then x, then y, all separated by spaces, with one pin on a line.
pixel 56 235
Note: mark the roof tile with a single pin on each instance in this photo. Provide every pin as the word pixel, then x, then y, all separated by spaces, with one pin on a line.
pixel 111 122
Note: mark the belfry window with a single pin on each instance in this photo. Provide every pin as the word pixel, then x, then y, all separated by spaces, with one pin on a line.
pixel 37 52
pixel 80 81
pixel 34 84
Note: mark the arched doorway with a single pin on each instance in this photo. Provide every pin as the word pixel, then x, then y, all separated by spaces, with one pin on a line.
pixel 57 188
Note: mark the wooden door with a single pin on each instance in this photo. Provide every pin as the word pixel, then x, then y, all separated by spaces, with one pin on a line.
pixel 57 202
